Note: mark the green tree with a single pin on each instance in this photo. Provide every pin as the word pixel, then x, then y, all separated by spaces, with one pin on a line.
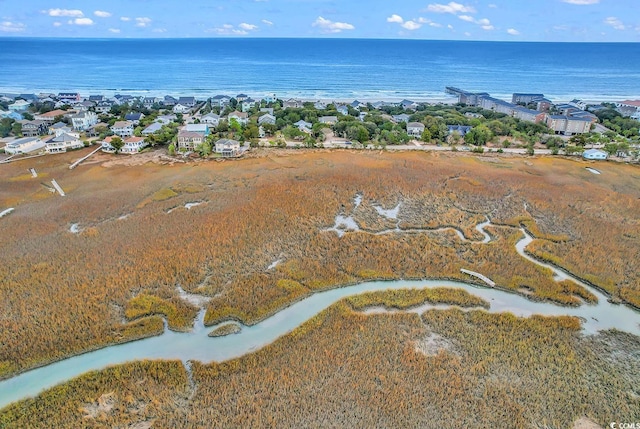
pixel 172 149
pixel 16 129
pixel 426 135
pixel 117 143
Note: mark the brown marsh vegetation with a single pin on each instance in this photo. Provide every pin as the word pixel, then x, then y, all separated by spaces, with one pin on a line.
pixel 347 369
pixel 65 293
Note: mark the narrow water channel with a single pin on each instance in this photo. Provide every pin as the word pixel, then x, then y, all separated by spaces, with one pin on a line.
pixel 197 345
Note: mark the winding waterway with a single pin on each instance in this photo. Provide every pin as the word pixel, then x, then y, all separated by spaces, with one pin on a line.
pixel 197 345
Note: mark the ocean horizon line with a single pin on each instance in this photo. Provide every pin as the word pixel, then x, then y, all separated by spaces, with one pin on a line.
pixel 240 38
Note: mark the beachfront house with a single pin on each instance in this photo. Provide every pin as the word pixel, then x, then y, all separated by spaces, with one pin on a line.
pixel 24 145
pixel 595 154
pixel 122 128
pixel 415 129
pixel 292 103
pixel 568 125
pixel 49 117
pixel 528 115
pixel 187 101
pixel 221 101
pixel 228 148
pixel 84 120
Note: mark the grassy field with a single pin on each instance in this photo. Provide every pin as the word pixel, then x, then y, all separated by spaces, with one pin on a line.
pixel 63 293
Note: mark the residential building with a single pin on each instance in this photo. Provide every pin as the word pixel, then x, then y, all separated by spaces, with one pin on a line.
pixel 630 108
pixel 58 126
pixel 49 117
pixel 248 104
pixel 267 119
pixel 415 129
pixel 180 108
pixel 153 128
pixel 96 98
pixel 19 106
pixel 270 98
pixel 211 119
pixel 34 128
pixel 595 154
pixel 187 101
pixel 151 101
pixel 358 105
pixel 519 98
pixel 241 97
pixel 24 145
pixel 462 130
pixel 241 117
pixel 401 118
pixel 292 103
pixel 408 104
pixel 329 120
pixel 567 125
pixel 122 128
pixel 228 148
pixel 84 120
pixel 543 105
pixel 69 97
pixel 302 125
pixel 189 140
pixel 268 110
pixel 197 128
pixel 134 117
pixel 169 101
pixel 342 109
pixel 528 115
pixel 221 101
pixel 104 106
pixel 63 142
pixel 133 145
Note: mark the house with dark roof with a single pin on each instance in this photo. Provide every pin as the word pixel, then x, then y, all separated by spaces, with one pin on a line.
pixel 34 128
pixel 134 117
pixel 187 101
pixel 462 130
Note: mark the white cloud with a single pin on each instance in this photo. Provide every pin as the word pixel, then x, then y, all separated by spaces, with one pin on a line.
pixel 248 27
pixel 159 30
pixel 227 29
pixel 114 30
pixel 467 18
pixel 513 32
pixel 435 24
pixel 12 27
pixel 82 21
pixel 581 2
pixel 125 18
pixel 484 23
pixel 411 25
pixel 451 7
pixel 57 24
pixel 267 22
pixel 332 27
pixel 143 21
pixel 615 23
pixel 74 13
pixel 102 14
pixel 395 18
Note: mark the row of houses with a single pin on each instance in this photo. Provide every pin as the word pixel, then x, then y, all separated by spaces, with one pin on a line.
pixel 62 140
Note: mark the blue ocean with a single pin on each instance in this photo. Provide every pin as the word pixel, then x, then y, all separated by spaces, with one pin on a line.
pixel 320 68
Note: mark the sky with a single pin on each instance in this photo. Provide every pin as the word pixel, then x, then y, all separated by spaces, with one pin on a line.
pixel 500 20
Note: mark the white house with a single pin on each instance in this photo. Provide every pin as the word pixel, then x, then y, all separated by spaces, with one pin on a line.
pixel 415 129
pixel 241 117
pixel 63 142
pixel 211 119
pixel 189 140
pixel 133 145
pixel 122 128
pixel 329 120
pixel 228 147
pixel 197 128
pixel 595 154
pixel 84 120
pixel 248 104
pixel 24 145
pixel 180 108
